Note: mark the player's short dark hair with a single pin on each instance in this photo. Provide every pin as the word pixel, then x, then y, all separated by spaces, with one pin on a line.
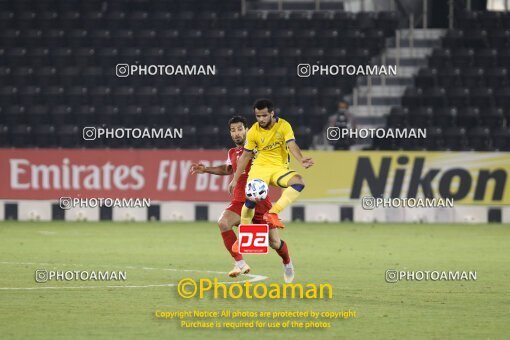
pixel 261 104
pixel 237 119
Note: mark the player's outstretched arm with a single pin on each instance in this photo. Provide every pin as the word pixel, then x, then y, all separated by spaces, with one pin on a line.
pixel 221 170
pixel 294 149
pixel 242 162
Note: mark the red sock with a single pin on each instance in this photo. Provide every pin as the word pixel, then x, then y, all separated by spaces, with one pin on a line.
pixel 283 251
pixel 229 238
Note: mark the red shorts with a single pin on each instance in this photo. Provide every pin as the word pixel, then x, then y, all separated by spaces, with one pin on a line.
pixel 261 208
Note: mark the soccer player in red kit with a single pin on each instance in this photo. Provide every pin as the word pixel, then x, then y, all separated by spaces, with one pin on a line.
pixel 231 216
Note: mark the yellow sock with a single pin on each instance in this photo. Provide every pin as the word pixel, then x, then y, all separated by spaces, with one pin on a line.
pixel 247 215
pixel 289 195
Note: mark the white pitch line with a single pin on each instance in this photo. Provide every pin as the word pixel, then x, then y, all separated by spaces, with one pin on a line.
pixel 253 277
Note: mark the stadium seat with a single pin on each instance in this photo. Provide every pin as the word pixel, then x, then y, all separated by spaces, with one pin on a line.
pixel 107 115
pixel 45 136
pixel 69 136
pixel 397 118
pixel 453 38
pixel 426 78
pixel 190 140
pixel 473 78
pixel 486 58
pixel 304 136
pixel 501 139
pixel 216 37
pixel 307 95
pixel 450 77
pixel 476 38
pixel 86 116
pixel 497 78
pixel 37 115
pixel 61 56
pixel 317 118
pixel 479 139
pixel 23 75
pixel 455 139
pixel 503 97
pixel 285 95
pixel 5 137
pixel 435 97
pixel 9 95
pixel 412 97
pixel 208 135
pixel 21 136
pixel 492 117
pixel 76 95
pixel 421 117
pixel 295 115
pixel 468 117
pixel 13 115
pixel 458 97
pixel 138 19
pixel 504 56
pixel 435 140
pixel 179 116
pixel 61 115
pixel 100 95
pixel 155 115
pixel 31 95
pixel 146 96
pixel 445 117
pixel 131 115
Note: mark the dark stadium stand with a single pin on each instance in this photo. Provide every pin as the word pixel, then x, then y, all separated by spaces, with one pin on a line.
pixel 464 93
pixel 58 57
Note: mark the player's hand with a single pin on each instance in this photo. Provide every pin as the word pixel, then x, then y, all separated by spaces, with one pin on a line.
pixel 197 168
pixel 231 186
pixel 307 162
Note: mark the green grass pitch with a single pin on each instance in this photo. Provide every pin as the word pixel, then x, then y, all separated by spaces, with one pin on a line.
pixel 351 257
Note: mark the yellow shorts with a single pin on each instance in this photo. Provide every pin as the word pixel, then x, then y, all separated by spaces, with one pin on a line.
pixel 275 176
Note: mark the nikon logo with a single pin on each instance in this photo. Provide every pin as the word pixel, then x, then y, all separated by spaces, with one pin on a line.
pixel 411 175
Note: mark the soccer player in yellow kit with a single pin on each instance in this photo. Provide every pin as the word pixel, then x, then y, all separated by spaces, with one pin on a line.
pixel 270 139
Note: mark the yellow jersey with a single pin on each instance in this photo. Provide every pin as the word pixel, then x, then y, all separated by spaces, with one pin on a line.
pixel 270 146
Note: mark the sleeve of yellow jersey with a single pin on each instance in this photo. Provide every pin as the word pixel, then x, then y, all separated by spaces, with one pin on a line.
pixel 288 134
pixel 251 141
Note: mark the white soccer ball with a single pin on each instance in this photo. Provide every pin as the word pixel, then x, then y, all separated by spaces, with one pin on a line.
pixel 256 190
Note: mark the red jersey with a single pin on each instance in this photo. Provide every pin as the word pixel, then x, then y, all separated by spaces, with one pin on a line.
pixel 233 156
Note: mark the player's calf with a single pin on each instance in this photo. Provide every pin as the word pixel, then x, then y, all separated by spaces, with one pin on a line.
pixel 279 246
pixel 274 239
pixel 225 223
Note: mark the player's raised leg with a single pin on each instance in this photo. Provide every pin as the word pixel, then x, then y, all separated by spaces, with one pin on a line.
pixel 294 187
pixel 227 220
pixel 280 246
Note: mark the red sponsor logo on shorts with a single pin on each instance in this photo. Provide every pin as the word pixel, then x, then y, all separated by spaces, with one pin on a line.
pixel 253 238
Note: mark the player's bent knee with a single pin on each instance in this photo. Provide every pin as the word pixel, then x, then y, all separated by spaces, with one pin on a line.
pixel 296 180
pixel 274 241
pixel 224 225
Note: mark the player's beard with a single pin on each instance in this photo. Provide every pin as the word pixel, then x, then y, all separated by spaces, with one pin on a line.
pixel 240 142
pixel 264 125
